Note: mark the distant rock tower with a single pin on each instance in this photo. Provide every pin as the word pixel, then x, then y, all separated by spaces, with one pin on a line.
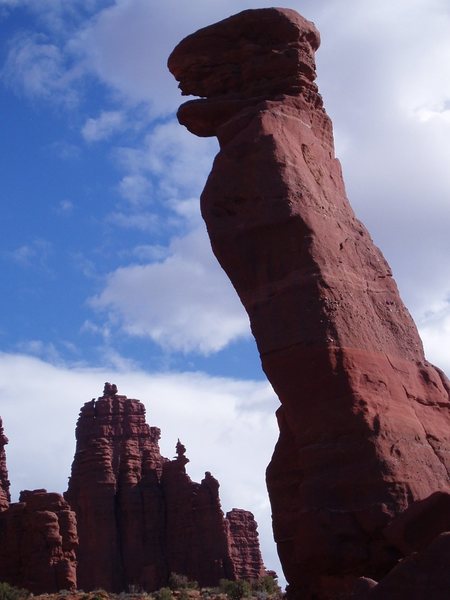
pixel 4 481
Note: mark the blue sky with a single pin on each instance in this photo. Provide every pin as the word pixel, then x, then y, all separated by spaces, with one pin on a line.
pixel 107 272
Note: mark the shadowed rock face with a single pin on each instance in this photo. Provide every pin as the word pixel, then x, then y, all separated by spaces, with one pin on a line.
pixel 4 482
pixel 364 418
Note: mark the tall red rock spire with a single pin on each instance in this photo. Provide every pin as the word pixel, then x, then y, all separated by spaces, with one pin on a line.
pixel 4 482
pixel 364 418
pixel 115 493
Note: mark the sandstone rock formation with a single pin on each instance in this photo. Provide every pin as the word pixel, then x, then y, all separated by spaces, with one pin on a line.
pixel 134 516
pixel 116 496
pixel 4 482
pixel 140 517
pixel 38 540
pixel 244 545
pixel 364 418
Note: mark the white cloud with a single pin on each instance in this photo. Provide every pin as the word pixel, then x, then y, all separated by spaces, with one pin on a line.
pixel 65 207
pixel 104 126
pixel 181 300
pixel 36 253
pixel 227 425
pixel 45 350
pixel 434 329
pixel 176 161
pixel 135 188
pixel 142 221
pixel 184 303
pixel 38 68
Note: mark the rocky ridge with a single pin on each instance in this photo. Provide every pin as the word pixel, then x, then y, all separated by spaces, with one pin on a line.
pixel 129 518
pixel 364 418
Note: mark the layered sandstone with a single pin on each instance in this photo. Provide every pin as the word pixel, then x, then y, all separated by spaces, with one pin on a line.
pixel 244 545
pixel 364 418
pixel 4 481
pixel 114 490
pixel 38 541
pixel 140 517
pixel 196 533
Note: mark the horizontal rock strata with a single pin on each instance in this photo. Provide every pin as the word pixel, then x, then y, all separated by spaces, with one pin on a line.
pixel 244 545
pixel 38 542
pixel 114 490
pixel 364 418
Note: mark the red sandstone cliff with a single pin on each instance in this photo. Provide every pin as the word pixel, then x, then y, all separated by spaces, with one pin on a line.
pixel 38 541
pixel 364 421
pixel 4 482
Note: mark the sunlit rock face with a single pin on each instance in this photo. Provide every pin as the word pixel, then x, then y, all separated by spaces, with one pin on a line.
pixel 38 542
pixel 140 517
pixel 364 418
pixel 4 482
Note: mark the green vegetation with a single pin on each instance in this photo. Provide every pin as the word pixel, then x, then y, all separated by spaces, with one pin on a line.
pixel 9 592
pixel 235 590
pixel 180 587
pixel 181 582
pixel 164 593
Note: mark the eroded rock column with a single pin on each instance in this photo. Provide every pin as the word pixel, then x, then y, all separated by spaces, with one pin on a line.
pixel 114 490
pixel 4 481
pixel 364 418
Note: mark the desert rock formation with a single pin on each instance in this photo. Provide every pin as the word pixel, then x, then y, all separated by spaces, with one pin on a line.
pixel 140 517
pixel 364 418
pixel 4 482
pixel 244 545
pixel 38 541
pixel 129 519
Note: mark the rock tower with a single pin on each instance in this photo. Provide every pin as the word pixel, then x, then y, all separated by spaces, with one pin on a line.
pixel 364 418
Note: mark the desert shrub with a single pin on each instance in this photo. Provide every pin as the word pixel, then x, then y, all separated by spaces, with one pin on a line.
pixel 164 593
pixel 266 585
pixel 181 582
pixel 235 590
pixel 9 592
pixel 99 595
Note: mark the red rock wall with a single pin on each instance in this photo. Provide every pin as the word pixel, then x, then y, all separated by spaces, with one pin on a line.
pixel 364 421
pixel 4 482
pixel 244 545
pixel 38 543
